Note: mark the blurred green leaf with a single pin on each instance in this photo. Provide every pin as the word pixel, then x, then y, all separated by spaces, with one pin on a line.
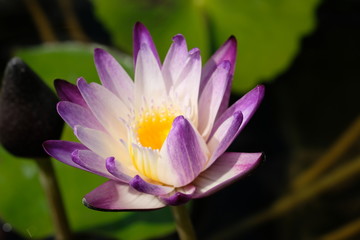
pixel 268 31
pixel 22 202
pixel 164 19
pixel 22 197
pixel 67 61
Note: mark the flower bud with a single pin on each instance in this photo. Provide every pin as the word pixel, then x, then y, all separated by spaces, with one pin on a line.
pixel 28 114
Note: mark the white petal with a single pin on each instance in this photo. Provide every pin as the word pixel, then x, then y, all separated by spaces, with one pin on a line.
pixel 102 144
pixel 145 161
pixel 211 98
pixel 113 76
pixel 175 60
pixel 149 82
pixel 74 114
pixel 228 168
pixel 114 196
pixel 186 88
pixel 107 108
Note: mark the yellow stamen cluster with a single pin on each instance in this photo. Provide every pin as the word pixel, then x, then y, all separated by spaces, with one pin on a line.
pixel 154 126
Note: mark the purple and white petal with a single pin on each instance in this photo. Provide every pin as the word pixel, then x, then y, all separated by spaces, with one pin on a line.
pixel 227 52
pixel 143 186
pixel 176 199
pixel 149 82
pixel 117 196
pixel 224 136
pixel 188 189
pixel 211 98
pixel 102 144
pixel 183 154
pixel 107 108
pixel 62 150
pixel 74 114
pixel 228 168
pixel 142 36
pixel 186 87
pixel 113 76
pixel 118 170
pixel 92 162
pixel 174 60
pixel 69 92
pixel 248 104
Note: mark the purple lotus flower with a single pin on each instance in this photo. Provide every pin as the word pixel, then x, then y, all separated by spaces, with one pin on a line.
pixel 161 139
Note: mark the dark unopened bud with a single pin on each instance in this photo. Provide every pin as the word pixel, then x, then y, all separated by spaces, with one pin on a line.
pixel 28 114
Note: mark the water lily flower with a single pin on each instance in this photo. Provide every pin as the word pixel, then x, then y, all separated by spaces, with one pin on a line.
pixel 160 139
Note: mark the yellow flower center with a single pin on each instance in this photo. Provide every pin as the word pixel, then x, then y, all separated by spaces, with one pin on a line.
pixel 153 127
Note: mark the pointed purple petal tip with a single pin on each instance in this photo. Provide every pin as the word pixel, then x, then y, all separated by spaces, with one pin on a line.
pixel 261 89
pixel 98 50
pixel 68 92
pixel 232 40
pixel 58 82
pixel 141 32
pixel 230 45
pixel 178 38
pixel 141 35
pixel 99 53
pixel 111 167
pixel 179 121
pixel 176 199
pixel 238 117
pixel 139 25
pixel 194 52
pixel 88 205
pixel 81 80
pixel 142 186
pixel 137 183
pixel 75 157
pixel 46 145
pixel 226 64
pixel 61 87
pixel 260 93
pixel 110 164
pixel 58 106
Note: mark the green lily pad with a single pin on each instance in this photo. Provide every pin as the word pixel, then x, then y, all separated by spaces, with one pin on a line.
pixel 67 61
pixel 163 18
pixel 23 204
pixel 268 31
